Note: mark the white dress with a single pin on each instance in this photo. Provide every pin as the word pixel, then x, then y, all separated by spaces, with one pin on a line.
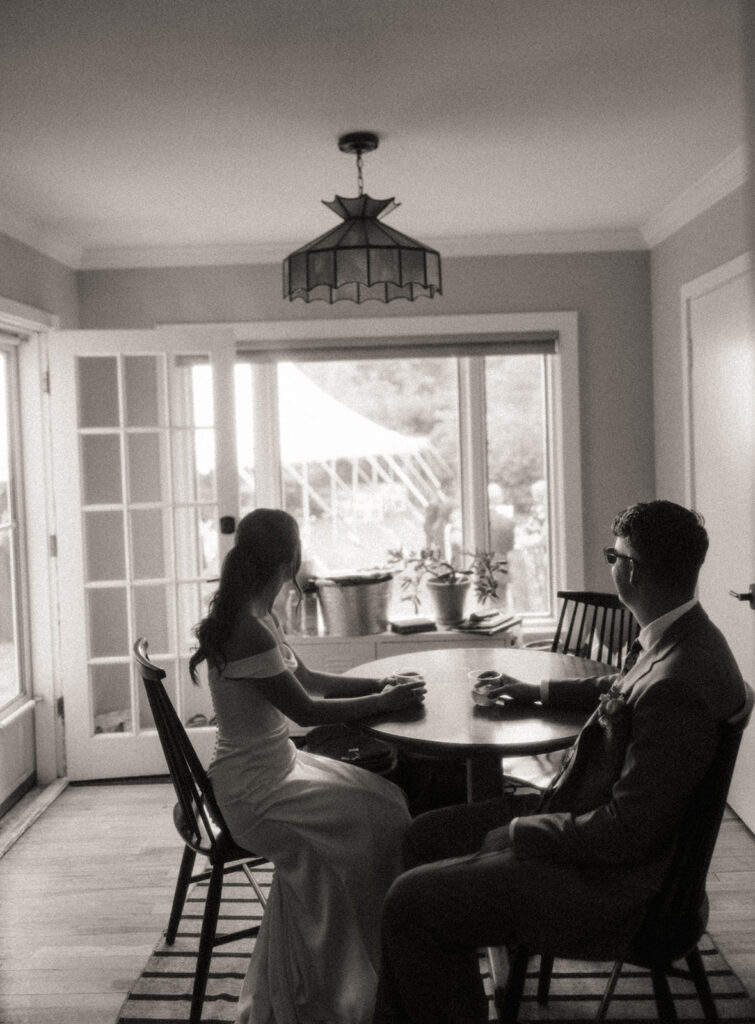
pixel 333 832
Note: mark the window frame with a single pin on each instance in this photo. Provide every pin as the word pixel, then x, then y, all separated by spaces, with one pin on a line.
pixel 10 345
pixel 31 326
pixel 266 343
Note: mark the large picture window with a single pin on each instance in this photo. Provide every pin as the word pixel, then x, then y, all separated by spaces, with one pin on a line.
pixel 376 450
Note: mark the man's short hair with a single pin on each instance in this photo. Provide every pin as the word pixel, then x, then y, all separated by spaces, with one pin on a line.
pixel 670 540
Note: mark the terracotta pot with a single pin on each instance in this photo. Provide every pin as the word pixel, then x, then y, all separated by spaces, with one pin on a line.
pixel 449 600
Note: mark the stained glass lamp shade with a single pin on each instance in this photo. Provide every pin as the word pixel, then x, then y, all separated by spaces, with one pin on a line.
pixel 362 258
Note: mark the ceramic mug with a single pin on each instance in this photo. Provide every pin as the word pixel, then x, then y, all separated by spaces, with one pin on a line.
pixel 407 675
pixel 483 681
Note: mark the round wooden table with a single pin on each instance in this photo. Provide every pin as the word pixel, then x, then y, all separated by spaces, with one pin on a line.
pixel 449 724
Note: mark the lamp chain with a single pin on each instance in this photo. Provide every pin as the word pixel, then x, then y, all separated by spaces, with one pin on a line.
pixel 360 179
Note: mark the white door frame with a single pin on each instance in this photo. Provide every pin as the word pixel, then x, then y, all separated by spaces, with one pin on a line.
pixel 689 292
pixel 740 791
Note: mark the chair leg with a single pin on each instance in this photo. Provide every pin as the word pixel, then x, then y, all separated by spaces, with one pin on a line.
pixel 255 885
pixel 609 990
pixel 179 897
pixel 664 1001
pixel 544 978
pixel 206 942
pixel 700 978
pixel 507 1004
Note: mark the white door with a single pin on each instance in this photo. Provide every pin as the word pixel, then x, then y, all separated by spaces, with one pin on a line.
pixel 720 318
pixel 144 470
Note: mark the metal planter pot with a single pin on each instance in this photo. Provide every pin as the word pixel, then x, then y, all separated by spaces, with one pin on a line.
pixel 355 605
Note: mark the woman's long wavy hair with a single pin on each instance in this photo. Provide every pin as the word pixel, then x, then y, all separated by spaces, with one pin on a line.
pixel 265 539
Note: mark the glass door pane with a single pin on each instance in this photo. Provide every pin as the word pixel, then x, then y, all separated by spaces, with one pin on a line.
pixel 150 515
pixel 246 403
pixel 139 465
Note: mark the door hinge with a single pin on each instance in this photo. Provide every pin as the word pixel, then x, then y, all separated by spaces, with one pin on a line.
pixel 60 709
pixel 52 545
pixel 46 381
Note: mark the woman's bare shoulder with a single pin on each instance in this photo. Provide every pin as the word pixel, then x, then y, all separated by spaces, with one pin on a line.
pixel 250 636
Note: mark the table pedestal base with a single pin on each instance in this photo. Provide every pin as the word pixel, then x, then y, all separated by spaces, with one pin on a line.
pixel 484 777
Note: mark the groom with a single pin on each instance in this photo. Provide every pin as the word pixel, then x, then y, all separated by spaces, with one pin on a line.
pixel 572 871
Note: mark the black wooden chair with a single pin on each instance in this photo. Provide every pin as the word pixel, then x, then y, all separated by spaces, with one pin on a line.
pixel 677 917
pixel 200 824
pixel 591 625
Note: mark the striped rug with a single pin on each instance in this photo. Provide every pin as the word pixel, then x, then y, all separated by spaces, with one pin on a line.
pixel 162 993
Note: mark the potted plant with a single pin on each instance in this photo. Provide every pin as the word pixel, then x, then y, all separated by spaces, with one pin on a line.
pixel 448 583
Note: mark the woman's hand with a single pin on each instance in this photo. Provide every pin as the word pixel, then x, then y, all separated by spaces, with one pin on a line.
pixel 402 693
pixel 386 681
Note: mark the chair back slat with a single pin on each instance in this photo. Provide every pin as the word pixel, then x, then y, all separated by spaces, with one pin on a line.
pixel 616 629
pixel 202 818
pixel 607 623
pixel 680 909
pixel 557 643
pixel 589 619
pixel 594 625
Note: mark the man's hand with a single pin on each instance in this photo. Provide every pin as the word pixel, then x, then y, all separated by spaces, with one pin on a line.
pixel 497 840
pixel 521 692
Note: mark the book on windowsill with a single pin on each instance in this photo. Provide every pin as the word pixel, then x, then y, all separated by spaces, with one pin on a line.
pixel 415 624
pixel 489 624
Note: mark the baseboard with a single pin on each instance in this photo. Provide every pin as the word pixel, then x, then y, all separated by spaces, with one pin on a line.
pixel 18 793
pixel 26 811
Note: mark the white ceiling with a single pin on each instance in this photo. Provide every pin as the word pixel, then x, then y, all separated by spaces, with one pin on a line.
pixel 148 131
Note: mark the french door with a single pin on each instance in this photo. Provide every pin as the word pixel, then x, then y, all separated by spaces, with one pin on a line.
pixel 719 310
pixel 145 473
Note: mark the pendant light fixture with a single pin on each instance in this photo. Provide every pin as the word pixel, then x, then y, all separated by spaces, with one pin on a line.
pixel 361 258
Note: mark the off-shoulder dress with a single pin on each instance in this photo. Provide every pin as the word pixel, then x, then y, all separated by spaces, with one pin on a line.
pixel 333 832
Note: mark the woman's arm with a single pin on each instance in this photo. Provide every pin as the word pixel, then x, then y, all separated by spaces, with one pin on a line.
pixel 302 703
pixel 333 685
pixel 287 694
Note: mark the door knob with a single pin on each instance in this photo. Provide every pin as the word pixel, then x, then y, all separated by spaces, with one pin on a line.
pixel 227 524
pixel 748 596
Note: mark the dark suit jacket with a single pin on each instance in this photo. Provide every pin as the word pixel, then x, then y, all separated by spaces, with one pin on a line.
pixel 621 797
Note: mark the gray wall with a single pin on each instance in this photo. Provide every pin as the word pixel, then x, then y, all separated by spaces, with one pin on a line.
pixel 610 292
pixel 35 280
pixel 715 237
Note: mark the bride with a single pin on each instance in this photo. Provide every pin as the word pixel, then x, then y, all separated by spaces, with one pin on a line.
pixel 333 831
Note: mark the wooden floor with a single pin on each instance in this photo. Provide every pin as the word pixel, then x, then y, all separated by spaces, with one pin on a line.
pixel 85 895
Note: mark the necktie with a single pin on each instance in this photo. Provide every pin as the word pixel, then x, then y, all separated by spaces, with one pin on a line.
pixel 633 654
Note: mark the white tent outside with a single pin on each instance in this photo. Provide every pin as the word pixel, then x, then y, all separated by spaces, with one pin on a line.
pixel 318 431
pixel 316 427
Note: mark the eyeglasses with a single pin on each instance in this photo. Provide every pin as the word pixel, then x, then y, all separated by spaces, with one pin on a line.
pixel 611 555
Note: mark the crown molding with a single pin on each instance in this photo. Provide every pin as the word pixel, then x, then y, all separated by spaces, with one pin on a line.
pixel 46 243
pixel 546 242
pixel 725 177
pixel 125 257
pixel 451 246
